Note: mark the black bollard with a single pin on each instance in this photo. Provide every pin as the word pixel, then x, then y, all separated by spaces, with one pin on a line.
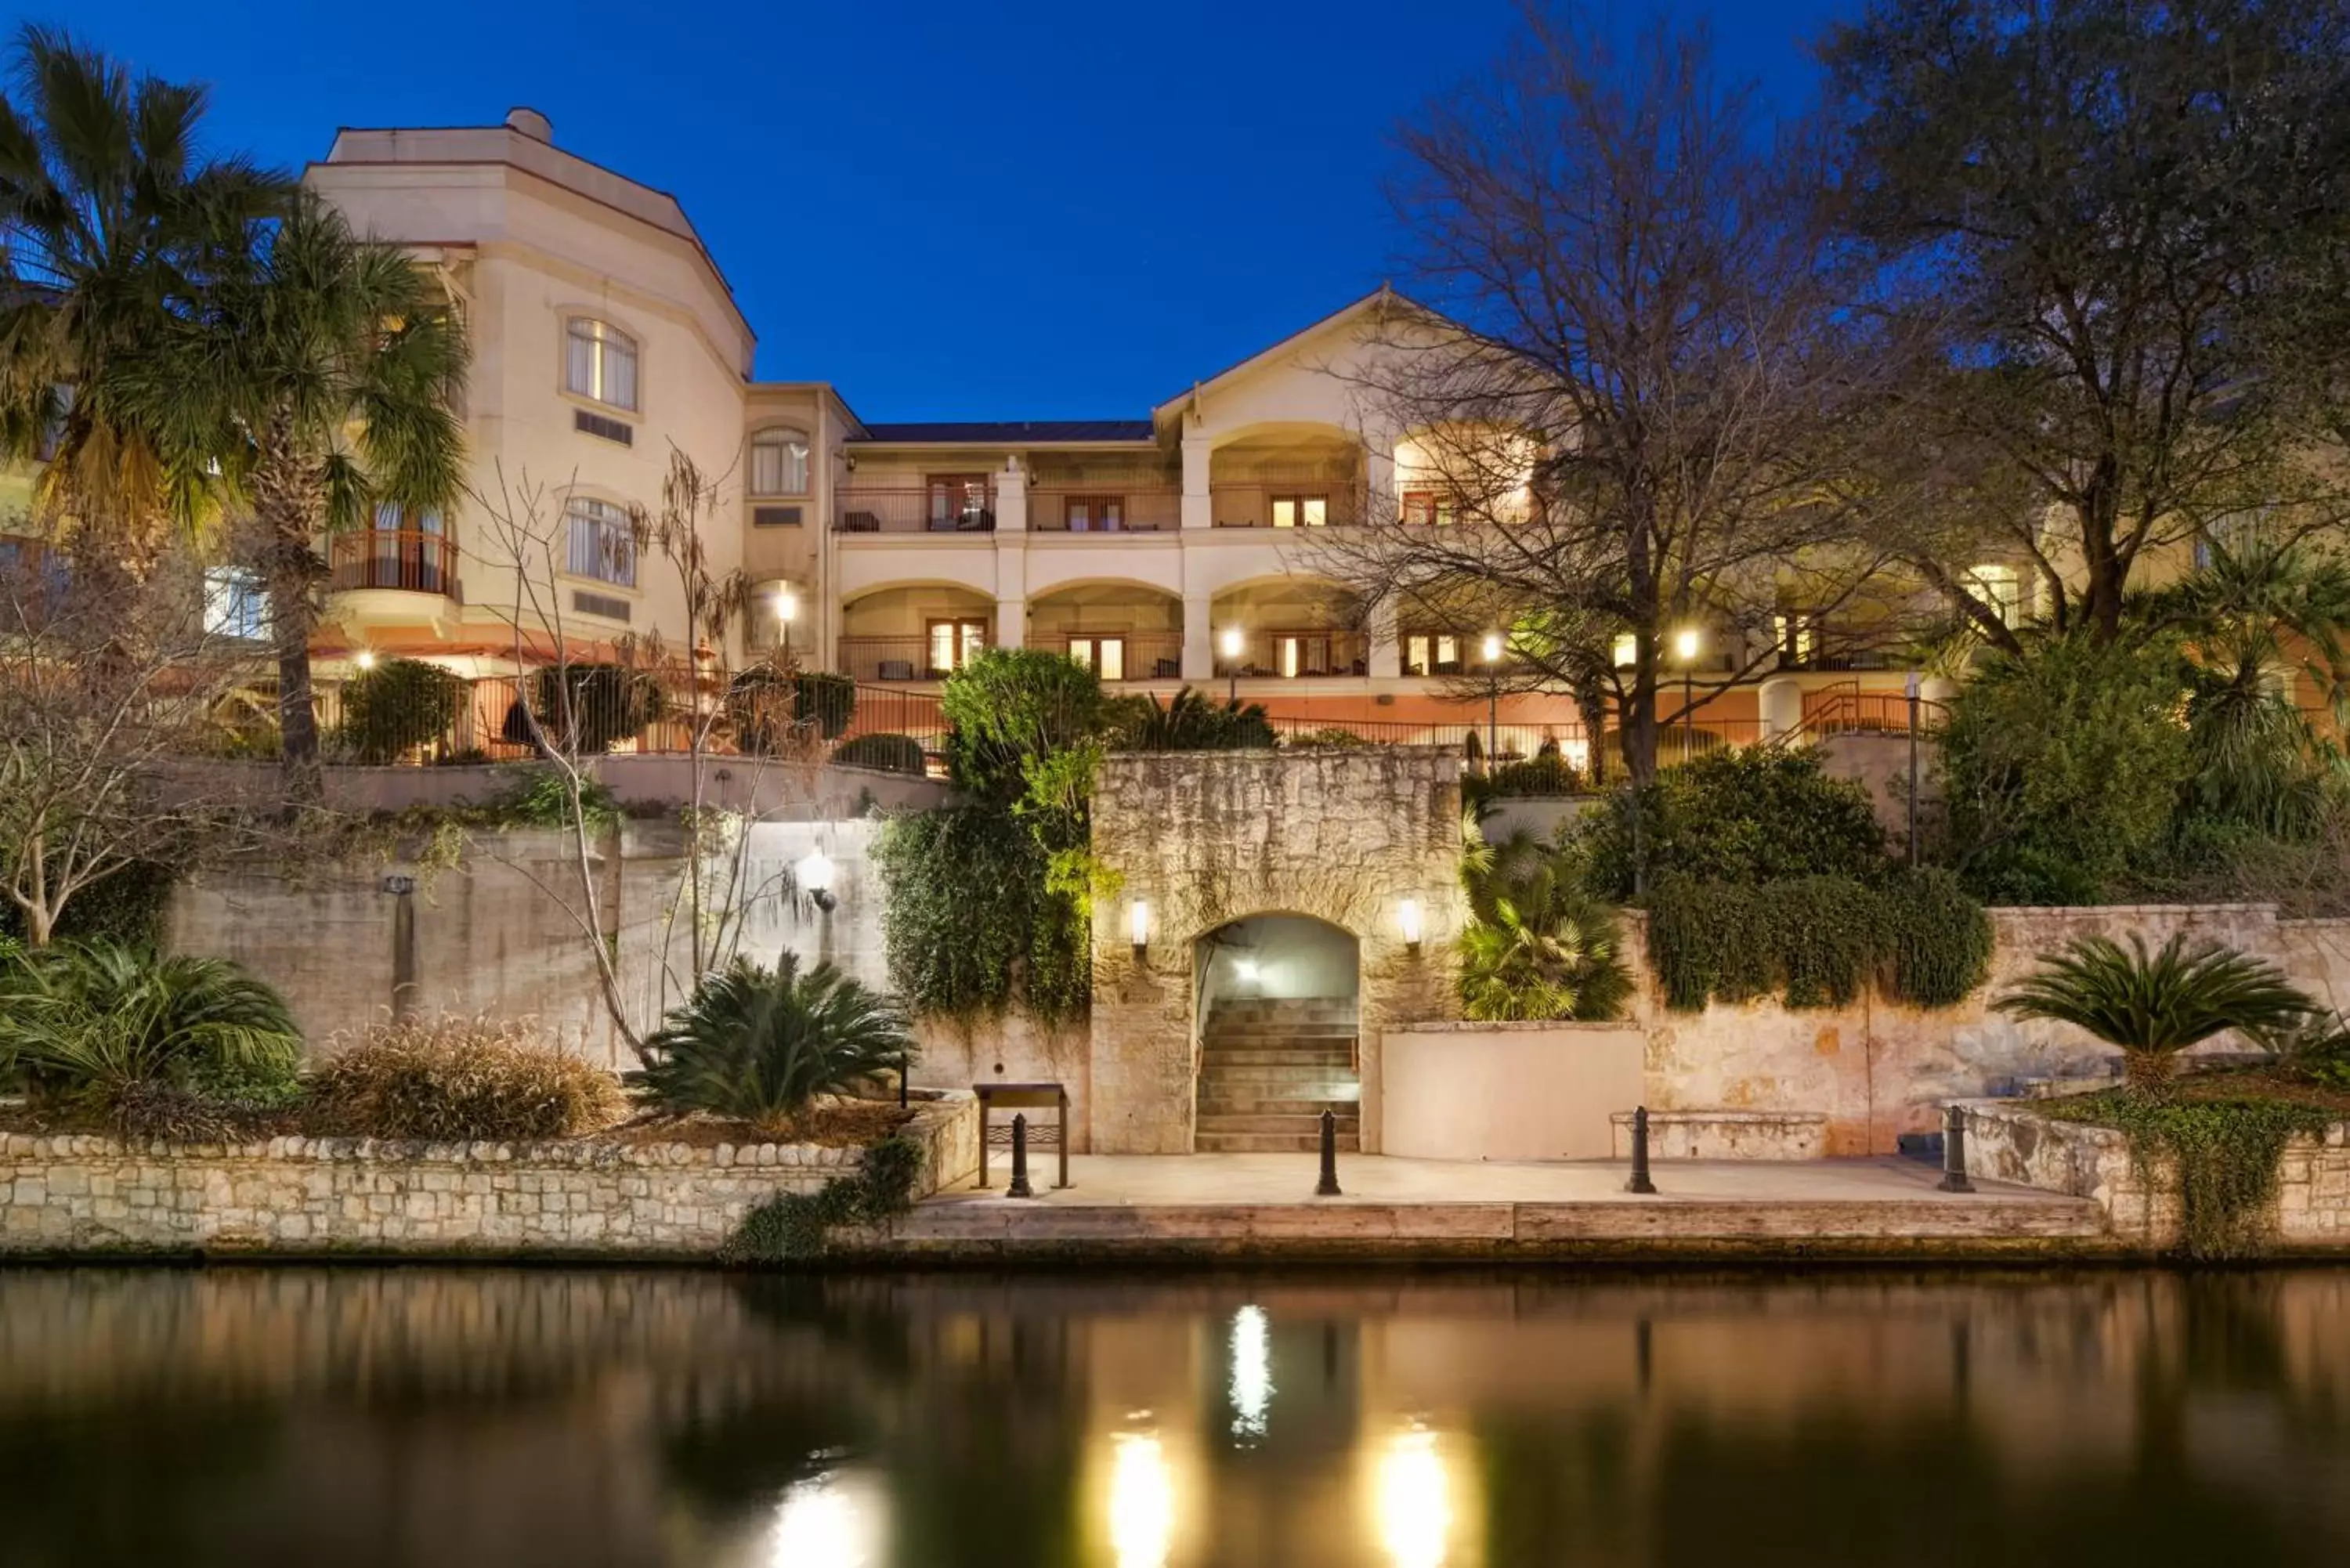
pixel 1641 1182
pixel 1019 1187
pixel 1328 1186
pixel 1954 1152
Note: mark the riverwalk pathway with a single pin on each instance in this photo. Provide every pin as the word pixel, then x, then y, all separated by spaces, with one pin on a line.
pixel 1263 1206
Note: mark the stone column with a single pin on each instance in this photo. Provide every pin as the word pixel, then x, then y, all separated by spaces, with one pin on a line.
pixel 1012 498
pixel 1199 506
pixel 1198 639
pixel 1781 702
pixel 1387 649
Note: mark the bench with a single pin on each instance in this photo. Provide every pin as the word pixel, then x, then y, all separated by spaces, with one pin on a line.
pixel 1023 1097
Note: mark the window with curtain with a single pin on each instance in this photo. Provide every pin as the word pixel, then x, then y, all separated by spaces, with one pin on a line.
pixel 779 463
pixel 235 605
pixel 601 545
pixel 601 362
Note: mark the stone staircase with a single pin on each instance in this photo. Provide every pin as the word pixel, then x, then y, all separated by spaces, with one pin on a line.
pixel 1268 1069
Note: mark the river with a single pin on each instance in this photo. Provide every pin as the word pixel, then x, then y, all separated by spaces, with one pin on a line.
pixel 455 1418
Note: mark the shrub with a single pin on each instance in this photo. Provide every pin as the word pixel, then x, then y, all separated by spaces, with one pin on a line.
pixel 587 708
pixel 2061 768
pixel 1537 945
pixel 970 921
pixel 1190 722
pixel 1760 814
pixel 455 1078
pixel 395 708
pixel 539 798
pixel 1010 706
pixel 791 1225
pixel 825 702
pixel 759 1044
pixel 1816 940
pixel 1939 938
pixel 2228 1155
pixel 86 1025
pixel 1547 774
pixel 1330 737
pixel 891 753
pixel 129 907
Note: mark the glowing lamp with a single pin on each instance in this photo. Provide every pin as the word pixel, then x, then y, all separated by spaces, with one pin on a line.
pixel 1231 642
pixel 1493 648
pixel 1685 644
pixel 814 872
pixel 1407 917
pixel 365 659
pixel 1137 927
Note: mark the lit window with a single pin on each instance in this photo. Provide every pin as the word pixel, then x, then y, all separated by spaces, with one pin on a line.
pixel 779 463
pixel 1999 589
pixel 234 604
pixel 1104 656
pixel 1300 511
pixel 1795 637
pixel 1431 653
pixel 601 362
pixel 1627 650
pixel 1429 507
pixel 602 545
pixel 955 643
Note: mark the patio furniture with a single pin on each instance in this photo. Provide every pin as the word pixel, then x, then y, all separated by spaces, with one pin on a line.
pixel 860 523
pixel 897 670
pixel 1054 1097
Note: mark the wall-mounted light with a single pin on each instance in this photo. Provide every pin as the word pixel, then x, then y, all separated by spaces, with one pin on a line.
pixel 814 873
pixel 1407 917
pixel 1137 927
pixel 787 606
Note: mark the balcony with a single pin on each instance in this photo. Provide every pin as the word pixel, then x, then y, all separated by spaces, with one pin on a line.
pixel 1294 655
pixel 404 560
pixel 1119 656
pixel 963 506
pixel 1112 507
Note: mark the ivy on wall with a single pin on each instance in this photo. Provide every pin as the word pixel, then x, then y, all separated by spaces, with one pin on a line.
pixel 1815 941
pixel 969 925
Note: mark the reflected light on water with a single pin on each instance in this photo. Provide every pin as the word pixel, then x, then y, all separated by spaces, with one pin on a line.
pixel 1251 1389
pixel 834 1520
pixel 1414 1501
pixel 1141 1500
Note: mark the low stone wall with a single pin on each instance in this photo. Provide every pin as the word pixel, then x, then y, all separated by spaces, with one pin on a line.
pixel 1725 1134
pixel 2012 1142
pixel 311 1196
pixel 1500 1091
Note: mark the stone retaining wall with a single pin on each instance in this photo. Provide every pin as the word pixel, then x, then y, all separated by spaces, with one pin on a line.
pixel 310 1196
pixel 2012 1142
pixel 1725 1134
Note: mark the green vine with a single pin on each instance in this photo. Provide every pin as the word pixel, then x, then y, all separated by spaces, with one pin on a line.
pixel 1816 941
pixel 973 923
pixel 2229 1155
pixel 793 1227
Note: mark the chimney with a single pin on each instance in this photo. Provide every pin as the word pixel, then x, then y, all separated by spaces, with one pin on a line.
pixel 531 123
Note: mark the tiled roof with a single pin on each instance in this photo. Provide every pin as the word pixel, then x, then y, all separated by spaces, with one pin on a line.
pixel 1011 432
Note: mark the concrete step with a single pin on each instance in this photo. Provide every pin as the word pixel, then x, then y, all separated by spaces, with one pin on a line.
pixel 1338 1056
pixel 1291 1077
pixel 1276 1105
pixel 1271 1143
pixel 1309 1127
pixel 1341 1038
pixel 1281 1012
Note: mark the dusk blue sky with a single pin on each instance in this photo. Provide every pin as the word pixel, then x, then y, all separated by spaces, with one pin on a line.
pixel 951 210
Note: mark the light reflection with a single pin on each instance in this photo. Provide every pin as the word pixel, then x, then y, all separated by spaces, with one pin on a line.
pixel 1414 1501
pixel 832 1519
pixel 1251 1388
pixel 1141 1500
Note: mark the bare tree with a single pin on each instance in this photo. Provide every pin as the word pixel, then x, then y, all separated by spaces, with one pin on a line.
pixel 1629 403
pixel 111 691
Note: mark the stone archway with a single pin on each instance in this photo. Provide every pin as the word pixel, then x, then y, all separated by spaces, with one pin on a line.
pixel 1199 839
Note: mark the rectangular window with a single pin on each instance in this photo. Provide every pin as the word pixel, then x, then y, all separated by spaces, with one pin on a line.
pixel 1097 513
pixel 955 643
pixel 1302 653
pixel 601 362
pixel 779 463
pixel 958 504
pixel 601 545
pixel 1300 511
pixel 1431 653
pixel 1627 650
pixel 1999 588
pixel 1797 637
pixel 1104 656
pixel 234 604
pixel 1432 508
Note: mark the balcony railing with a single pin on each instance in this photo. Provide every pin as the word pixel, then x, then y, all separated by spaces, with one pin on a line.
pixel 407 559
pixel 1106 508
pixel 930 509
pixel 1123 655
pixel 1296 654
pixel 1272 500
pixel 887 659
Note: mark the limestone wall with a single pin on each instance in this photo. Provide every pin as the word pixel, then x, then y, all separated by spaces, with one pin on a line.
pixel 1877 1069
pixel 311 1196
pixel 1203 838
pixel 2009 1142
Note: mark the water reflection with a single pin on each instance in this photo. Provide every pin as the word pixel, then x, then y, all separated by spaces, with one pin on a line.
pixel 458 1417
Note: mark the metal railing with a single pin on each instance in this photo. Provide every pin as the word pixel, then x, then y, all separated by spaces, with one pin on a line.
pixel 409 559
pixel 1846 709
pixel 881 659
pixel 919 509
pixel 1110 507
pixel 1296 654
pixel 1272 502
pixel 1117 656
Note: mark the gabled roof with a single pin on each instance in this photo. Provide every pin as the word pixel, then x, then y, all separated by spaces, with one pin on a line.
pixel 1011 432
pixel 1381 298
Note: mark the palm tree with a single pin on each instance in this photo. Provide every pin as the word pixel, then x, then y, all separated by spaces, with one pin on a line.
pixel 2154 1007
pixel 759 1043
pixel 325 371
pixel 111 220
pixel 1537 944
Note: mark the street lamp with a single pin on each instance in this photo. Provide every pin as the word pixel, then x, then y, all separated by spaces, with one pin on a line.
pixel 1493 698
pixel 1686 643
pixel 788 609
pixel 1229 642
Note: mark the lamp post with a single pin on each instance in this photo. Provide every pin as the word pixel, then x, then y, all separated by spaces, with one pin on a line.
pixel 1911 688
pixel 788 609
pixel 1685 644
pixel 1493 698
pixel 1229 642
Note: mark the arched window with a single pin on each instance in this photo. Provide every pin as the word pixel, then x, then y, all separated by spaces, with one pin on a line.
pixel 779 463
pixel 601 362
pixel 601 545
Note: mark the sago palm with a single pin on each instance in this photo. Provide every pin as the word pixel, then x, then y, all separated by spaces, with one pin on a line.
pixel 112 219
pixel 1537 944
pixel 2154 1006
pixel 760 1045
pixel 325 371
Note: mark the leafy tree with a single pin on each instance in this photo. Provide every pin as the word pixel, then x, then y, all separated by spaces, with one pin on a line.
pixel 1537 944
pixel 323 372
pixel 2062 765
pixel 760 1045
pixel 1758 815
pixel 2154 1007
pixel 970 922
pixel 2111 224
pixel 1011 707
pixel 586 709
pixel 398 706
pixel 1190 722
pixel 112 219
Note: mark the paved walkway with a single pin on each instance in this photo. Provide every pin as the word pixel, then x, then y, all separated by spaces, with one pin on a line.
pixel 1261 1205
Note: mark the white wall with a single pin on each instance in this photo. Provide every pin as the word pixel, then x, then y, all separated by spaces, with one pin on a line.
pixel 1503 1091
